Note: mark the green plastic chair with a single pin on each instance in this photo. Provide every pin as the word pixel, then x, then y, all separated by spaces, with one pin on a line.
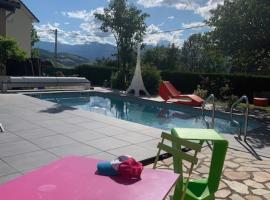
pixel 179 156
pixel 205 188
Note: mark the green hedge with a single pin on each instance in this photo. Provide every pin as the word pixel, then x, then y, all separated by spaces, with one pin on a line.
pixel 51 71
pixel 185 82
pixel 96 74
pixel 240 83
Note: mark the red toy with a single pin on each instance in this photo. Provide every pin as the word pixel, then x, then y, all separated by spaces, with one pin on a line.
pixel 168 92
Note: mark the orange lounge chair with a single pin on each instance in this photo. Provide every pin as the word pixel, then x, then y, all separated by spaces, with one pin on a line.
pixel 168 92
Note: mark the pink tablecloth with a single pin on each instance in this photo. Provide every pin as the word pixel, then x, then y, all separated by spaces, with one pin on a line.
pixel 75 178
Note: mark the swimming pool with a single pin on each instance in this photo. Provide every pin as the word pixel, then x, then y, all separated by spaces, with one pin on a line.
pixel 150 113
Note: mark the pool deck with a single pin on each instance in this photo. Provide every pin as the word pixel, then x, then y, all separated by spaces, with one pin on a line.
pixel 39 132
pixel 244 177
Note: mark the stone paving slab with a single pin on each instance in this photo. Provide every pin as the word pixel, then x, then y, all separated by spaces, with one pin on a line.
pixel 85 135
pixel 9 137
pixel 15 148
pixel 34 133
pixel 77 149
pixel 29 161
pixel 6 169
pixel 52 141
pixel 107 143
pixel 237 182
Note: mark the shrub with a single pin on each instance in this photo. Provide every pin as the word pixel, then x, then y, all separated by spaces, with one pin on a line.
pixel 118 80
pixel 200 92
pixel 151 78
pixel 231 100
pixel 225 92
pixel 209 85
pixel 9 49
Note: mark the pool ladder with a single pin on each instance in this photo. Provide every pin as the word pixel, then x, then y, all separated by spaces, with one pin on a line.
pixel 209 99
pixel 236 123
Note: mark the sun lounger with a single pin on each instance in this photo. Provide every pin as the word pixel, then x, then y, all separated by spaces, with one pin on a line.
pixel 169 93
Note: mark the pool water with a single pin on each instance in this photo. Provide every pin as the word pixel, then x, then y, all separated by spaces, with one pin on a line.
pixel 154 114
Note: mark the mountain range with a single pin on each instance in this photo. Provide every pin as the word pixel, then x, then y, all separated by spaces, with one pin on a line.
pixel 65 60
pixel 69 56
pixel 91 51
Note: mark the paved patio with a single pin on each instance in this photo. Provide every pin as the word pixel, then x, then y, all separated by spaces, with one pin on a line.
pixel 244 176
pixel 39 132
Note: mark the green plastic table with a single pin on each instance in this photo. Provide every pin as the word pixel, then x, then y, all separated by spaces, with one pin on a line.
pixel 204 188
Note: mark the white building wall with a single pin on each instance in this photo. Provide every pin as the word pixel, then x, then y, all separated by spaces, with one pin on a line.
pixel 19 26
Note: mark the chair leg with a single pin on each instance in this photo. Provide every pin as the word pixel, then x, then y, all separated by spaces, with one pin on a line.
pixel 157 156
pixel 178 190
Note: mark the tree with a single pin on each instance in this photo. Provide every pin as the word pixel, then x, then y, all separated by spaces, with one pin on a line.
pixel 156 57
pixel 107 62
pixel 164 58
pixel 127 24
pixel 173 56
pixel 201 54
pixel 34 39
pixel 241 30
pixel 9 49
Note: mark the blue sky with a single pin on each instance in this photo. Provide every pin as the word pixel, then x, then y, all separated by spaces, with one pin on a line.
pixel 77 25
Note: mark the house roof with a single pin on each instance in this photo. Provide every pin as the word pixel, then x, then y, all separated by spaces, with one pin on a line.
pixel 29 11
pixel 10 6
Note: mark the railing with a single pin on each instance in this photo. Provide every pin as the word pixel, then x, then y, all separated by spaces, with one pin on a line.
pixel 243 98
pixel 209 99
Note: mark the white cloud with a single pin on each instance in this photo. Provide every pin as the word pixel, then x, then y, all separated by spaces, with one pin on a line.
pixel 171 17
pixel 154 37
pixel 193 24
pixel 88 31
pixel 204 11
pixel 83 14
pixel 201 7
pixel 55 24
pixel 179 4
pixel 46 33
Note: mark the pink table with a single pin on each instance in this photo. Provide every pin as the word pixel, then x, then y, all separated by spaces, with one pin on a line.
pixel 75 178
